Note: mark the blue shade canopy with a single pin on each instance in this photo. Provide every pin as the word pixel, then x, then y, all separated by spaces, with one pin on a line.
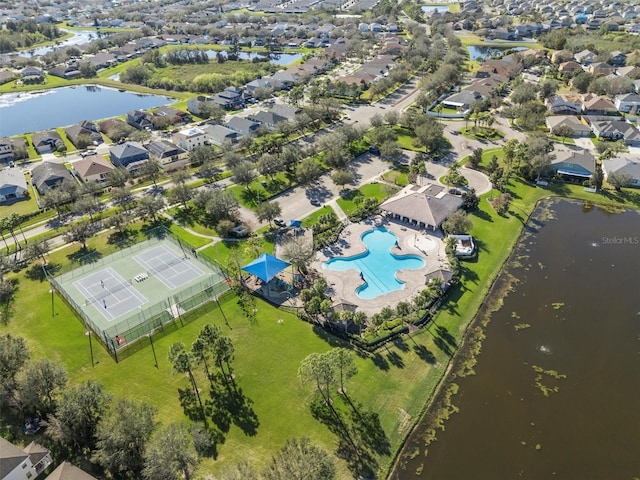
pixel 266 267
pixel 295 223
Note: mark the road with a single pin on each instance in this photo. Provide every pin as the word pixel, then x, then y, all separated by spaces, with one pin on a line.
pixel 301 201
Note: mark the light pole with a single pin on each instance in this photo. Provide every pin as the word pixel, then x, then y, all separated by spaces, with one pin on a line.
pixel 153 349
pixel 53 313
pixel 88 334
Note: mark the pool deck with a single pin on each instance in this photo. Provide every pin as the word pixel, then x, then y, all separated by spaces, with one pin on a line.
pixel 429 246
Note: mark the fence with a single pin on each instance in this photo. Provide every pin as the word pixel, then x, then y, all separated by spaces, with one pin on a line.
pixel 167 311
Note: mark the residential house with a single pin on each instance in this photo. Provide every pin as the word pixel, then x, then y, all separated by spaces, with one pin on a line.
pixel 598 105
pixel 422 206
pixel 269 120
pixel 616 130
pixel 22 464
pixel 564 104
pixel 92 168
pixel 140 120
pixel 68 471
pixel 175 116
pixel 462 100
pixel 623 165
pixel 500 67
pixel 13 185
pixel 130 155
pixel 618 59
pixel 229 98
pixel 576 165
pixel 6 150
pixel 66 71
pixel 220 135
pixel 286 111
pixel 49 175
pixel 570 67
pixel 631 71
pixel 283 80
pixel 47 141
pixel 166 153
pixel 585 57
pixel 84 129
pixel 578 128
pixel 627 102
pixel 31 74
pixel 242 125
pixel 102 60
pixel 6 75
pixel 601 68
pixel 190 138
pixel 114 127
pixel 260 83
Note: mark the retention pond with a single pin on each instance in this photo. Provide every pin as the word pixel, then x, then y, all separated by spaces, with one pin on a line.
pixel 555 390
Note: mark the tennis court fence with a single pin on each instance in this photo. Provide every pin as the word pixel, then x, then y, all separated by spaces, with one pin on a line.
pixel 172 310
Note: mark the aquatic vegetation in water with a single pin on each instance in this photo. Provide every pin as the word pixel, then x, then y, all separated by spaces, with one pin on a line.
pixel 545 389
pixel 557 305
pixel 521 326
pixel 515 315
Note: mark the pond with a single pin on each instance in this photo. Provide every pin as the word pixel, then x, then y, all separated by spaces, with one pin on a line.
pixel 483 52
pixel 79 37
pixel 35 111
pixel 435 8
pixel 282 59
pixel 556 387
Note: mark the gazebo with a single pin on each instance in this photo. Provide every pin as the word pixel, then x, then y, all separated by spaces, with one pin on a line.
pixel 265 267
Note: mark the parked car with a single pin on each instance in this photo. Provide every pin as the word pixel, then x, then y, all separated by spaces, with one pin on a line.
pixel 374 150
pixel 279 222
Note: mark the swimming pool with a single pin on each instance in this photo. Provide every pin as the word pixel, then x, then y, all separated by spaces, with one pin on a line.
pixel 377 266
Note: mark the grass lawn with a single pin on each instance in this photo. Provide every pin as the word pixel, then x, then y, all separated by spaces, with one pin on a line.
pixel 313 218
pixel 405 139
pixel 563 140
pixel 369 190
pixel 193 240
pixel 22 207
pixel 398 176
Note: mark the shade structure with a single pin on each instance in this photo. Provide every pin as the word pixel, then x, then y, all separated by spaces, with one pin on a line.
pixel 295 223
pixel 266 267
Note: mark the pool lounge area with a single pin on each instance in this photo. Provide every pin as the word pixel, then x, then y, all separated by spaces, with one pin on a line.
pixel 423 253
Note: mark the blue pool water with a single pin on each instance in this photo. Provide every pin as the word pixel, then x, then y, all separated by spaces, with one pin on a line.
pixel 378 266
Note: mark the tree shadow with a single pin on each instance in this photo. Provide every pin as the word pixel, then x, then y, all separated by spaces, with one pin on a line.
pixel 366 424
pixel 189 404
pixel 37 271
pixel 446 336
pixel 400 344
pixel 424 354
pixel 85 256
pixel 359 461
pixel 228 405
pixel 442 345
pixel 482 215
pixel 123 239
pixel 395 359
pixel 380 362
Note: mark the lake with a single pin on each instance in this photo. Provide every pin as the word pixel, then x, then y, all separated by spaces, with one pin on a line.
pixel 435 8
pixel 281 59
pixel 556 387
pixel 482 52
pixel 35 111
pixel 79 37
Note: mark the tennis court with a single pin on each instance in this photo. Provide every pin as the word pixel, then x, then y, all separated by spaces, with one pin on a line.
pixel 110 294
pixel 128 294
pixel 167 266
